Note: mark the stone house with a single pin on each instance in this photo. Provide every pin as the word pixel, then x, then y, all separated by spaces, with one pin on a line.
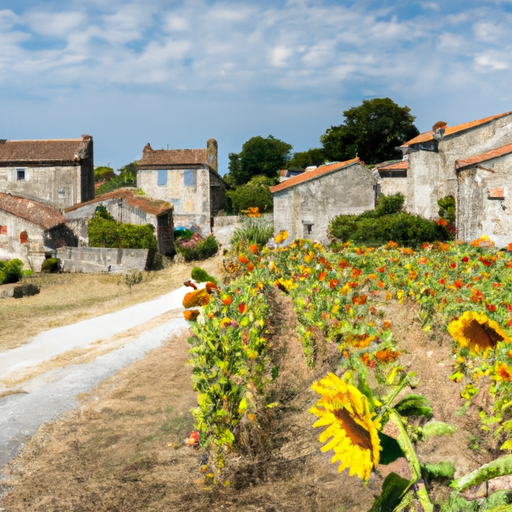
pixel 126 206
pixel 431 172
pixel 31 230
pixel 306 204
pixel 187 178
pixel 484 202
pixel 59 172
pixel 392 177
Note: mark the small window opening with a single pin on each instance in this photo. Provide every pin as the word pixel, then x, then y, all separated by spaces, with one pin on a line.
pixel 23 237
pixel 162 177
pixel 20 174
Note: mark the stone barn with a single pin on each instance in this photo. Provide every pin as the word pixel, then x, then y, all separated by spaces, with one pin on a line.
pixel 58 172
pixel 484 202
pixel 392 177
pixel 187 178
pixel 432 155
pixel 125 205
pixel 31 230
pixel 306 204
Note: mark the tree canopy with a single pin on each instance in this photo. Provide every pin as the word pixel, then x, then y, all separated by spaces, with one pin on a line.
pixel 259 156
pixel 303 159
pixel 371 131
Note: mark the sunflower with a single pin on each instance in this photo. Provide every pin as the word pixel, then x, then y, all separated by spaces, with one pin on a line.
pixel 477 332
pixel 346 413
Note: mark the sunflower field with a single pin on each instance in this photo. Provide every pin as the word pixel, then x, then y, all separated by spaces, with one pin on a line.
pixel 339 294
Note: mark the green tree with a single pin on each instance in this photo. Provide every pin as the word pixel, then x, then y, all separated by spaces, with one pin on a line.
pixel 303 159
pixel 371 131
pixel 103 173
pixel 254 193
pixel 126 177
pixel 258 156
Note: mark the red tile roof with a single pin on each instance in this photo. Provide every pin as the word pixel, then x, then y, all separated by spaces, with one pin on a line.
pixel 450 130
pixel 489 155
pixel 69 151
pixel 309 175
pixel 42 215
pixel 401 165
pixel 151 206
pixel 162 157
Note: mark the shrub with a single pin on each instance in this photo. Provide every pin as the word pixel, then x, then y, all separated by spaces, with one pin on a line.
pixel 447 209
pixel 250 195
pixel 11 271
pixel 104 231
pixel 204 249
pixel 253 230
pixel 201 276
pixel 51 265
pixel 133 276
pixel 389 204
pixel 182 233
pixel 26 290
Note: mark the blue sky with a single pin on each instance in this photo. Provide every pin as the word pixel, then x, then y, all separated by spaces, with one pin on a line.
pixel 176 73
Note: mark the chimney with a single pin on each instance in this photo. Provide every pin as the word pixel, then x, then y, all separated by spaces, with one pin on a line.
pixel 213 150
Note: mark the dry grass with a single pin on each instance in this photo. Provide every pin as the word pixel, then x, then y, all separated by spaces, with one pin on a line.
pixel 69 298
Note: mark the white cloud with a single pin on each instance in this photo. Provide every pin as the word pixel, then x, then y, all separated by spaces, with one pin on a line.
pixel 490 62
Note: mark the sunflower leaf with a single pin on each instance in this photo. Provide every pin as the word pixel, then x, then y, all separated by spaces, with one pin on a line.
pixel 498 467
pixel 414 405
pixel 438 428
pixel 391 450
pixel 393 489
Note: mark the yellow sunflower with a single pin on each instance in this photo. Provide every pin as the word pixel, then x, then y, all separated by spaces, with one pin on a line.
pixel 476 331
pixel 346 413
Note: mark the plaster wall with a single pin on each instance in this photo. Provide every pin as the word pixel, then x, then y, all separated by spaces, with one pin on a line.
pixel 432 174
pixel 390 186
pixel 306 209
pixel 59 186
pixel 479 214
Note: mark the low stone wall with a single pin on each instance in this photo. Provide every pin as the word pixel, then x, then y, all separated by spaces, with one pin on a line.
pixel 99 259
pixel 220 222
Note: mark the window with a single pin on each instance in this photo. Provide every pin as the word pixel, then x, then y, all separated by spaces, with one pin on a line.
pixel 162 177
pixel 3 230
pixel 189 178
pixel 62 192
pixel 23 237
pixel 20 174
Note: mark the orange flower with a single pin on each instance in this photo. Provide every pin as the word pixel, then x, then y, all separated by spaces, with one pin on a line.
pixel 250 266
pixel 387 324
pixel 359 301
pixel 458 283
pixel 386 355
pixel 503 372
pixel 253 249
pixel 380 284
pixel 243 259
pixel 191 315
pixel 391 244
pixel 333 283
pixel 356 273
pixel 322 276
pixel 210 286
pixel 242 307
pixel 196 298
pixel 227 300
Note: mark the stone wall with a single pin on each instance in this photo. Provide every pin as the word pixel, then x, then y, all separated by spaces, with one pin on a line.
pixel 99 259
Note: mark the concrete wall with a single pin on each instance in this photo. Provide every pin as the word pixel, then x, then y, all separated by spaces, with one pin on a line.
pixel 307 209
pixel 479 214
pixel 98 259
pixel 431 174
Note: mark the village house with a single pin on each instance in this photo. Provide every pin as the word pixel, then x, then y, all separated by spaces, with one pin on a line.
pixel 187 178
pixel 431 173
pixel 59 172
pixel 306 204
pixel 31 230
pixel 392 177
pixel 125 205
pixel 484 203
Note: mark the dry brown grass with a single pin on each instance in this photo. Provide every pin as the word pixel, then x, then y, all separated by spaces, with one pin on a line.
pixel 69 298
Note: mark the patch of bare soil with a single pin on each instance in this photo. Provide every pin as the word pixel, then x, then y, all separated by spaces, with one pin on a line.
pixel 68 298
pixel 123 449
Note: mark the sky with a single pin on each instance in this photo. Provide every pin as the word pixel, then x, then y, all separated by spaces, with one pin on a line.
pixel 176 73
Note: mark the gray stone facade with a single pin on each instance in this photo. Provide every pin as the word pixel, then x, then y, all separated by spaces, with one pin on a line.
pixel 306 204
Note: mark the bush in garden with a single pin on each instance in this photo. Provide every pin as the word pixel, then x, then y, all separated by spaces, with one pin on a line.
pixel 256 195
pixel 201 276
pixel 51 265
pixel 204 249
pixel 11 271
pixel 253 230
pixel 389 204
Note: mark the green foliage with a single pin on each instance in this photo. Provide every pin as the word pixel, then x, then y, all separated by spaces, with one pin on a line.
pixel 438 428
pixel 204 249
pixel 182 233
pixel 249 195
pixel 101 211
pixel 107 232
pixel 133 276
pixel 51 265
pixel 414 405
pixel 11 271
pixel 442 470
pixel 371 130
pixel 127 177
pixel 447 209
pixel 258 156
pixel 403 228
pixel 498 467
pixel 393 489
pixel 26 290
pixel 253 230
pixel 200 275
pixel 303 159
pixel 389 204
pixel 103 173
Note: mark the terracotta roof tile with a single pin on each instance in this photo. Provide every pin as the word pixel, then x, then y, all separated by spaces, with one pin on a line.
pixel 401 165
pixel 497 193
pixel 450 130
pixel 483 157
pixel 44 151
pixel 162 157
pixel 42 215
pixel 151 206
pixel 306 176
